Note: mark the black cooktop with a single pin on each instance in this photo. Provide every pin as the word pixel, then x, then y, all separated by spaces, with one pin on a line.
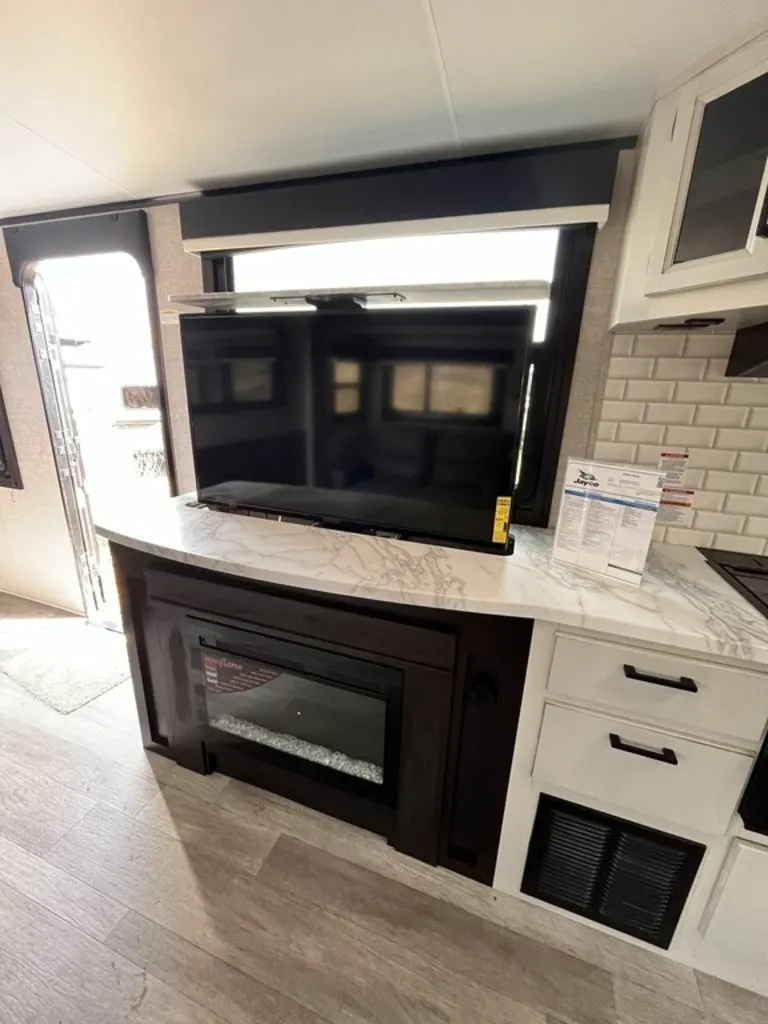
pixel 746 573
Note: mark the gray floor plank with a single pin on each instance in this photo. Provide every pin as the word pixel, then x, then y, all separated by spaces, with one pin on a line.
pixel 318 958
pixel 513 965
pixel 34 811
pixel 57 891
pixel 208 827
pixel 235 996
pixel 731 1003
pixel 51 973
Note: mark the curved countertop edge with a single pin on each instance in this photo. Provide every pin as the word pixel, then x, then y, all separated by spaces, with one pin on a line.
pixel 682 603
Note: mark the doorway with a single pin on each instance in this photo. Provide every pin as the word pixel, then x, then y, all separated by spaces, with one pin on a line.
pixel 91 331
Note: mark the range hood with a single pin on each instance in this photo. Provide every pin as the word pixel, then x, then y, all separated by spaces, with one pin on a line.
pixel 749 355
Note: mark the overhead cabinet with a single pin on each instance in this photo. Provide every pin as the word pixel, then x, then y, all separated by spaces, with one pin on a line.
pixel 696 245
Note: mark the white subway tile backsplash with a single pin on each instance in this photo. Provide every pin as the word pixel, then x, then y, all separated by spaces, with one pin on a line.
pixel 721 415
pixel 694 477
pixel 649 390
pixel 757 526
pixel 622 345
pixel 607 431
pixel 716 369
pixel 641 433
pixel 742 440
pixel 669 412
pixel 709 501
pixel 711 346
pixel 679 369
pixel 734 542
pixel 657 345
pixel 648 455
pixel 618 411
pixel 700 393
pixel 612 451
pixel 752 462
pixel 659 534
pixel 689 538
pixel 695 437
pixel 706 458
pixel 747 504
pixel 628 367
pixel 741 393
pixel 718 521
pixel 731 483
pixel 670 393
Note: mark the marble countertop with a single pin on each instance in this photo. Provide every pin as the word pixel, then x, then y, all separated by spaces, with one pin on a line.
pixel 681 603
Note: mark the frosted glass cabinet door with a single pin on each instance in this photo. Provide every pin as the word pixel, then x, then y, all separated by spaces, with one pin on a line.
pixel 725 205
pixel 707 177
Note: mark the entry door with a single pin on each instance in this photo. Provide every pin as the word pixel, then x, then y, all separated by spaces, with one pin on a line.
pixel 92 335
pixel 67 454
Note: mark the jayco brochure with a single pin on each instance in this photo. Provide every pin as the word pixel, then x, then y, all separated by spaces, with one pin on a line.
pixel 607 517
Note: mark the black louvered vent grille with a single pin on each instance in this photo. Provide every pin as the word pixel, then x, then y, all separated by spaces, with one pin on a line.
pixel 641 884
pixel 631 878
pixel 571 860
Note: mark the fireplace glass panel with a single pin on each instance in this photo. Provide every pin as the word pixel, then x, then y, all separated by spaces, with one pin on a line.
pixel 330 722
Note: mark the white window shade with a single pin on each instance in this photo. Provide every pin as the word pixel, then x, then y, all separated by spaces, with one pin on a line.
pixel 469 269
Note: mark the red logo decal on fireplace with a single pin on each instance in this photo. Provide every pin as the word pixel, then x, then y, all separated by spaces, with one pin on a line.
pixel 225 675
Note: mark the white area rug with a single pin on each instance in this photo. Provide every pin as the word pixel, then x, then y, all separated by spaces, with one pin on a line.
pixel 64 662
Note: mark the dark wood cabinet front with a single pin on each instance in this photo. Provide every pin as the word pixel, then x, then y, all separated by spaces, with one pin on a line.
pixel 399 720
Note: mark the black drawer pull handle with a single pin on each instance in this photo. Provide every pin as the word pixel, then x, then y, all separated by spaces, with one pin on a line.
pixel 666 754
pixel 683 683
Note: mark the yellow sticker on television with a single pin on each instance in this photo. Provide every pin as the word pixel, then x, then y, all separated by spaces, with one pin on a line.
pixel 501 520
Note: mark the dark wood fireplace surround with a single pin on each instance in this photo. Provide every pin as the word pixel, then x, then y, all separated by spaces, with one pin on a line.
pixel 462 682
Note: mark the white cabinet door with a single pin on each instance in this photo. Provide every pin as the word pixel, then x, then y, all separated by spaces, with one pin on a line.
pixel 712 194
pixel 736 927
pixel 694 244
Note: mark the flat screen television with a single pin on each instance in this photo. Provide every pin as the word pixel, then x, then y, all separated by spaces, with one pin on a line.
pixel 401 422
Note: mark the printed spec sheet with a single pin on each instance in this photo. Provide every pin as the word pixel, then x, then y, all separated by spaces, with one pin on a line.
pixel 607 517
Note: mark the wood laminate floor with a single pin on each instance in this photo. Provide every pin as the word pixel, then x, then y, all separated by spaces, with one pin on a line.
pixel 134 891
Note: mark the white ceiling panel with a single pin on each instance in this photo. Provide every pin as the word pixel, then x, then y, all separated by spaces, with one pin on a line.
pixel 549 69
pixel 162 96
pixel 35 176
pixel 110 98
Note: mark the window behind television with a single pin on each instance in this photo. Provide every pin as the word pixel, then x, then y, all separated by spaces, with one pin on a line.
pixel 544 269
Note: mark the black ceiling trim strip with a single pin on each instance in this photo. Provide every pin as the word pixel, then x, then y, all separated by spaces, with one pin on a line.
pixel 80 236
pixel 125 206
pixel 579 174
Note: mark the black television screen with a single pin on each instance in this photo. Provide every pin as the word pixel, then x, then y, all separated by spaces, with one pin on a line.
pixel 402 421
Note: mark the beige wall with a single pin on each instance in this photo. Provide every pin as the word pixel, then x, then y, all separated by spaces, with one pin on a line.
pixel 176 273
pixel 590 370
pixel 36 556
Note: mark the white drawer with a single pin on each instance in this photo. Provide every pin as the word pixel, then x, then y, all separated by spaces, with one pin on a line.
pixel 578 751
pixel 726 701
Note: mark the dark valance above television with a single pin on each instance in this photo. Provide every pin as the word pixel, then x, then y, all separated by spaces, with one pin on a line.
pixel 400 422
pixel 550 185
